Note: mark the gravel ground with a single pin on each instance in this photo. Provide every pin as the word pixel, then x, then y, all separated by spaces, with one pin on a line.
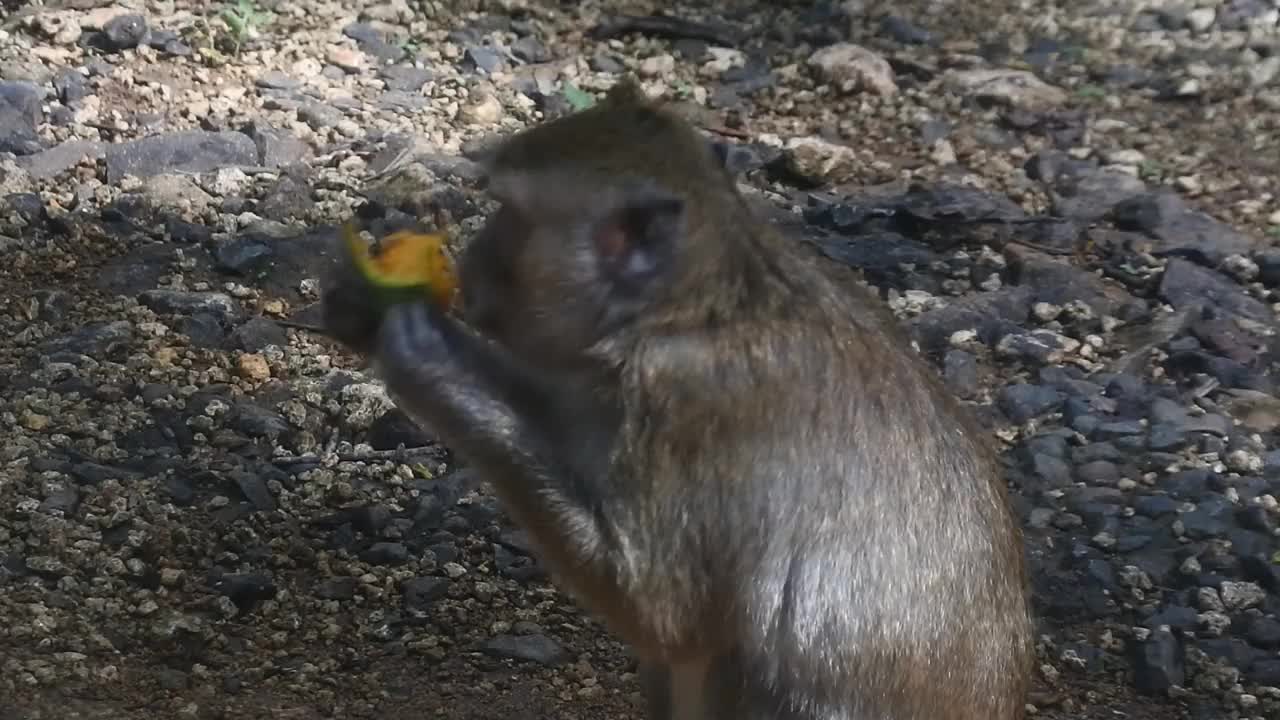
pixel 204 512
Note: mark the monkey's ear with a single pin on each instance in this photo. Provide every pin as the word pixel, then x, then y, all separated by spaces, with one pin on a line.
pixel 635 242
pixel 632 229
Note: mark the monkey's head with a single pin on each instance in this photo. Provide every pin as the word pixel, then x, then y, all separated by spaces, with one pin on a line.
pixel 600 219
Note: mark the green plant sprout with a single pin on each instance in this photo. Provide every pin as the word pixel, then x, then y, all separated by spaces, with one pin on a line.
pixel 243 19
pixel 578 99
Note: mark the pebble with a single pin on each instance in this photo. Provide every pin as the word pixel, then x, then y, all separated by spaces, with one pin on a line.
pixel 657 66
pixel 125 31
pixel 1016 88
pixel 1201 19
pixel 254 367
pixel 853 68
pixel 350 60
pixel 484 109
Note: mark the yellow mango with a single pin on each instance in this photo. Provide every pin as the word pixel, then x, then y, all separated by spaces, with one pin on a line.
pixel 408 266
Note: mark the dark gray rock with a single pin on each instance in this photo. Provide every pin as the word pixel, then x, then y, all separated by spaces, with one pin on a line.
pixel 1098 471
pixel 373 42
pixel 904 31
pixel 1087 193
pixel 60 158
pixel 71 87
pixel 1269 267
pixel 386 553
pixel 204 330
pixel 1189 484
pixel 1264 672
pixel 1053 444
pixel 1164 410
pixel 1179 230
pixel 191 151
pixel 1098 452
pixel 398 101
pixel 961 372
pixel 419 593
pixel 993 315
pixel 394 428
pixel 531 50
pixel 404 77
pixel 604 61
pixel 1158 663
pixel 169 42
pixel 276 80
pixel 20 113
pixel 1053 471
pixel 371 519
pixel 246 590
pixel 256 421
pixel 338 588
pixel 253 487
pixel 1121 428
pixel 1059 283
pixel 1210 519
pixel 171 679
pixel 1232 651
pixel 243 255
pixel 319 116
pixel 259 332
pixel 536 648
pixel 1021 402
pixel 276 147
pixel 63 500
pixel 1211 423
pixel 28 205
pixel 1224 336
pixel 124 32
pixel 182 302
pixel 1186 285
pixel 1238 15
pixel 1166 437
pixel 1177 617
pixel 1040 346
pixel 484 59
pixel 96 341
pixel 1264 632
pixel 289 197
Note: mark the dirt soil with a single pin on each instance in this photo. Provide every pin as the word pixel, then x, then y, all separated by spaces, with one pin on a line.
pixel 202 511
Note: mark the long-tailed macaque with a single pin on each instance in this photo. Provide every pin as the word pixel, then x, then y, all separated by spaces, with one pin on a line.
pixel 734 460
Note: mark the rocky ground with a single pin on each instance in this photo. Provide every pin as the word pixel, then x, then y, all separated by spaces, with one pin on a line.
pixel 204 513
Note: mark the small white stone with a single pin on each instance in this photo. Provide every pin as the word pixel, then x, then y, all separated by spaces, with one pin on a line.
pixel 1201 19
pixel 853 68
pixel 658 66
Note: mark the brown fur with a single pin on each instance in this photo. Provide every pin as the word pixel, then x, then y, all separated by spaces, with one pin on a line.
pixel 727 454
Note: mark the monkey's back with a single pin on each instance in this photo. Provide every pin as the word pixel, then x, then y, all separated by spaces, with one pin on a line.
pixel 887 580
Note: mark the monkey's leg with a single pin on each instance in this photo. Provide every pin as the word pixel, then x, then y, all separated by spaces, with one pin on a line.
pixel 733 691
pixel 655 686
pixel 687 686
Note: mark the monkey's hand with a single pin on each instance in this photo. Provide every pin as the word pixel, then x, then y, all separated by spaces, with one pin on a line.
pixel 419 340
pixel 481 402
pixel 349 311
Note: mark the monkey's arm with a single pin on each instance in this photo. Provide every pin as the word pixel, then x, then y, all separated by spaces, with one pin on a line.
pixel 480 401
pixel 503 422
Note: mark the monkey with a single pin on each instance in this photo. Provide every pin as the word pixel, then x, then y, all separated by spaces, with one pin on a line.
pixel 731 458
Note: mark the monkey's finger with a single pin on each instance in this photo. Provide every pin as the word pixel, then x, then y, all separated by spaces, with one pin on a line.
pixel 411 333
pixel 348 316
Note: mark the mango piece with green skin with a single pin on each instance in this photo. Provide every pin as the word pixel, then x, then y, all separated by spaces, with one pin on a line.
pixel 408 267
